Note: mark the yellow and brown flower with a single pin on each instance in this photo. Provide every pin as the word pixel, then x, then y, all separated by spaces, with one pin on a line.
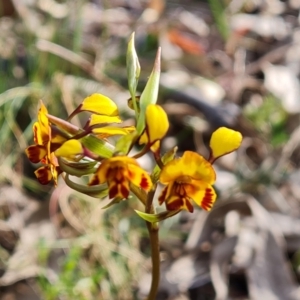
pixel 41 151
pixel 188 178
pixel 119 172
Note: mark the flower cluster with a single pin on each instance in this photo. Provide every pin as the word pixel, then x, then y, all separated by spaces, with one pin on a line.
pixel 63 148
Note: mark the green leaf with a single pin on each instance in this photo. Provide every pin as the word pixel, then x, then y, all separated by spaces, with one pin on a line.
pixel 77 168
pixel 218 10
pixel 150 93
pixel 124 144
pixel 97 191
pixel 133 70
pixel 168 156
pixel 97 146
pixel 154 218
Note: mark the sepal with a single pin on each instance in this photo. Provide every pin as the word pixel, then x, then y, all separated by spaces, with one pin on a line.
pixel 97 146
pixel 77 168
pixel 150 93
pixel 98 191
pixel 133 70
pixel 154 218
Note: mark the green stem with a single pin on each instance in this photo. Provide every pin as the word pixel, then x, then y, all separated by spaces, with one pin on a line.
pixel 154 242
pixel 155 258
pixel 140 154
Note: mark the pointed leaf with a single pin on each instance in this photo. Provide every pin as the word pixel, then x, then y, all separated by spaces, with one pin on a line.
pixel 154 218
pixel 133 70
pixel 150 93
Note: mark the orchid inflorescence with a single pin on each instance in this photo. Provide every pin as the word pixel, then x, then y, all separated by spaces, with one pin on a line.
pixel 61 147
pixel 65 149
pixel 102 151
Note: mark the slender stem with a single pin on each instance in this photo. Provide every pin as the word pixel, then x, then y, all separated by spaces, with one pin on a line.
pixel 154 242
pixel 155 258
pixel 139 193
pixel 140 154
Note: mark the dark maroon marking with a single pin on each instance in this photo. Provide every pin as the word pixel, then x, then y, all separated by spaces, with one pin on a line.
pixel 33 153
pixel 35 134
pixel 124 191
pixel 94 181
pixel 207 200
pixel 113 191
pixel 162 196
pixel 189 205
pixel 144 184
pixel 42 176
pixel 174 205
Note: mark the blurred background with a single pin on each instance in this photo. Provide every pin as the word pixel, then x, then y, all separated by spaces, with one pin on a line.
pixel 224 63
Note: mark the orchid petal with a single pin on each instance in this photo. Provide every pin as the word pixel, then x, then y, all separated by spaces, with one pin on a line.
pixel 190 165
pixel 224 141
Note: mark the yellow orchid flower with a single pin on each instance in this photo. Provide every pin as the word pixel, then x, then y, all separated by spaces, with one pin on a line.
pixel 188 178
pixel 50 171
pixel 97 104
pixel 157 125
pixel 118 172
pixel 41 151
pixel 224 141
pixel 97 124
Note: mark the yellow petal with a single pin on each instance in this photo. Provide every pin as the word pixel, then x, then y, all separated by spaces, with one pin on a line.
pixel 42 115
pixel 40 134
pixel 57 136
pixel 190 165
pixel 143 139
pixel 36 153
pixel 139 177
pixel 202 193
pixel 55 171
pixel 110 131
pixel 157 123
pixel 99 119
pixel 70 149
pixel 99 104
pixel 224 141
pixel 155 147
pixel 110 163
